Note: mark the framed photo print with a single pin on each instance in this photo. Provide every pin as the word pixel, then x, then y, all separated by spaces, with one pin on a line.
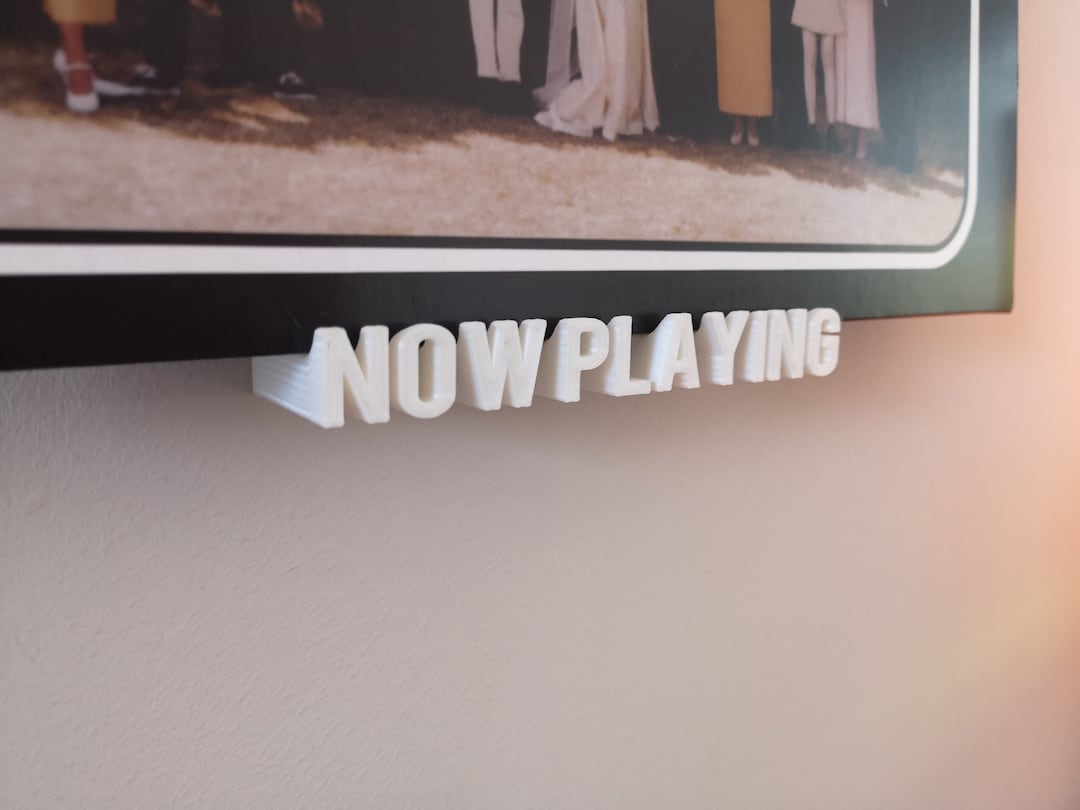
pixel 214 178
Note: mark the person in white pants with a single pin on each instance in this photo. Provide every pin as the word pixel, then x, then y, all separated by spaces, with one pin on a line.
pixel 824 20
pixel 498 27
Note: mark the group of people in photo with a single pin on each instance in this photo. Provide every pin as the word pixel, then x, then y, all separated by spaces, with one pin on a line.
pixel 609 66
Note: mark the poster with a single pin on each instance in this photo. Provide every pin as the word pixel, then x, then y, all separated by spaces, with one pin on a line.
pixel 253 172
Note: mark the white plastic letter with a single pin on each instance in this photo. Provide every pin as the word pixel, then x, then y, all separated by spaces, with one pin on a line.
pixel 423 371
pixel 578 345
pixel 670 354
pixel 318 385
pixel 823 342
pixel 717 341
pixel 787 345
pixel 613 377
pixel 498 366
pixel 752 350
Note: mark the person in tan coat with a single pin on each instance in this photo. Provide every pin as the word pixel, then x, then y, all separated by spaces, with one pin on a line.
pixel 744 65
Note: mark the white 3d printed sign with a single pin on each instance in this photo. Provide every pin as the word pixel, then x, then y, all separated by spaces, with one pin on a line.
pixel 423 370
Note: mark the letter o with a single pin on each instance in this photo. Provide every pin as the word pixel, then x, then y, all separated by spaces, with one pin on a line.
pixel 423 371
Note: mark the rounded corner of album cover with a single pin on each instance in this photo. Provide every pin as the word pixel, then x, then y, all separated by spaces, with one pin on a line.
pixel 944 254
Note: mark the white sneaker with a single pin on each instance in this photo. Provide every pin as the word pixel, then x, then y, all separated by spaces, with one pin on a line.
pixel 111 89
pixel 103 87
pixel 148 81
pixel 82 103
pixel 76 102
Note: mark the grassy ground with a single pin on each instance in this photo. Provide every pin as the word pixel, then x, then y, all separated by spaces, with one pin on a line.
pixel 360 164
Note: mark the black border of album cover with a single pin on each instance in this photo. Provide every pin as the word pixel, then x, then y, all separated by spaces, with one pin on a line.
pixel 78 298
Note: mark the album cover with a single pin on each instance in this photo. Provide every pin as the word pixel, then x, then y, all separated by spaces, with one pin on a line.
pixel 213 178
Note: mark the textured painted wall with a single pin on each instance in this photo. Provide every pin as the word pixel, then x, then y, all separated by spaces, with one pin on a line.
pixel 852 593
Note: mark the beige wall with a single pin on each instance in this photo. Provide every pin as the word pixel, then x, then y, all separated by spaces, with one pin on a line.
pixel 850 594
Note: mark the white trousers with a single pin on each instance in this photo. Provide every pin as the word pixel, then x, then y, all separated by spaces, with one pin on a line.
pixel 828 64
pixel 498 27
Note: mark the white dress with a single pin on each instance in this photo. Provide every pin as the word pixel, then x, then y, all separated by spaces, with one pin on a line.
pixel 615 92
pixel 819 16
pixel 856 67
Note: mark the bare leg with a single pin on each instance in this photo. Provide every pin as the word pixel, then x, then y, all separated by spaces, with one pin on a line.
pixel 738 130
pixel 753 137
pixel 79 81
pixel 828 62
